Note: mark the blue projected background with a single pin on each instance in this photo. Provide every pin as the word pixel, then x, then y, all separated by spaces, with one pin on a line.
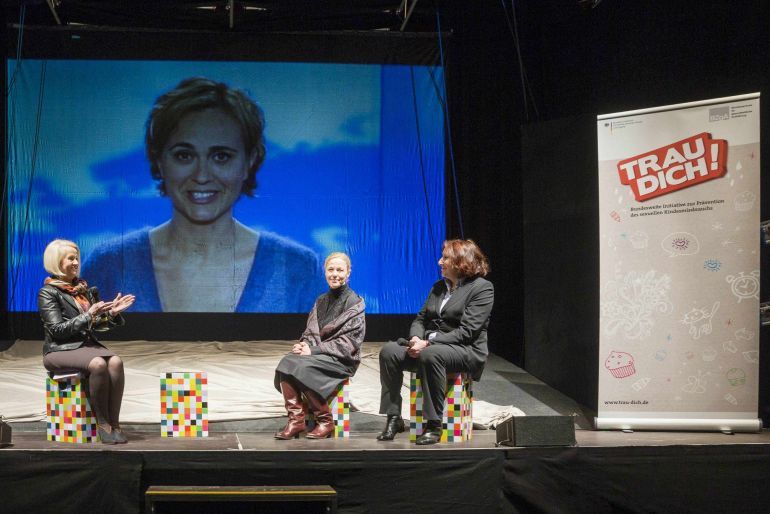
pixel 350 165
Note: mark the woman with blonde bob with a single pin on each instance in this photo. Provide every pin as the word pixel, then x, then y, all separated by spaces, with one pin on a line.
pixel 449 334
pixel 327 353
pixel 72 314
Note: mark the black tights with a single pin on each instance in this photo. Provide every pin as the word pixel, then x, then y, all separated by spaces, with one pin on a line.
pixel 105 385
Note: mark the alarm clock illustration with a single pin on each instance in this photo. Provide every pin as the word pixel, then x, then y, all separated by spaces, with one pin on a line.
pixel 744 285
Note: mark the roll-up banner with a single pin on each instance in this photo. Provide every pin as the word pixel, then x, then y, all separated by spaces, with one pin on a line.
pixel 679 212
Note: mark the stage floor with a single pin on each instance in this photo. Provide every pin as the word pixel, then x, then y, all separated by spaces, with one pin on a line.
pixel 248 441
pixel 242 397
pixel 144 441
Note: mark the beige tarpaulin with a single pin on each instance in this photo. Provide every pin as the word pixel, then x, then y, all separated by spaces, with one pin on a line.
pixel 240 380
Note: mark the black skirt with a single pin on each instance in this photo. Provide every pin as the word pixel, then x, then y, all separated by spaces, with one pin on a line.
pixel 64 361
pixel 320 373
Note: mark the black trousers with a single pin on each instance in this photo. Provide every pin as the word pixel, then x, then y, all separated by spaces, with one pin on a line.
pixel 431 366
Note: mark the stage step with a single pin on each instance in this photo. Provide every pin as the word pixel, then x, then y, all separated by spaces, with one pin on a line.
pixel 290 498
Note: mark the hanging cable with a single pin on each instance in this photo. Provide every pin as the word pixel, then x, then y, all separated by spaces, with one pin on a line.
pixel 445 105
pixel 33 168
pixel 419 151
pixel 521 63
pixel 11 126
pixel 526 90
pixel 19 41
pixel 436 88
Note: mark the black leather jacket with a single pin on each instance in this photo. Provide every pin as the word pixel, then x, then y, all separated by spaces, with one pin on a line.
pixel 65 327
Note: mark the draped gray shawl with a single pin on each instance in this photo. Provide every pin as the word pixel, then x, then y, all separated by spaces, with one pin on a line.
pixel 342 337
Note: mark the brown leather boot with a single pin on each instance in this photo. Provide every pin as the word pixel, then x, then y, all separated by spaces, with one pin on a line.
pixel 295 409
pixel 324 425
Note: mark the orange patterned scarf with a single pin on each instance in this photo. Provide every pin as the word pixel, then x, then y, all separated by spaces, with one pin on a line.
pixel 77 290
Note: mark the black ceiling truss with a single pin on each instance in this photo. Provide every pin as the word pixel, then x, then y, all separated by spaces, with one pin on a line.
pixel 230 15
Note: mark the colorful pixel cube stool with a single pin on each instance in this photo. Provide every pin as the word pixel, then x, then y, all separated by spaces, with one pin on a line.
pixel 339 404
pixel 457 423
pixel 70 416
pixel 184 406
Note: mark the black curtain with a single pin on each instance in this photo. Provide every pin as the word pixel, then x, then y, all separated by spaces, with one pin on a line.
pixel 561 255
pixel 617 56
pixel 485 116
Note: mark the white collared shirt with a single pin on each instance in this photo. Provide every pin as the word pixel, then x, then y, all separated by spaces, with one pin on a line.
pixel 447 293
pixel 444 299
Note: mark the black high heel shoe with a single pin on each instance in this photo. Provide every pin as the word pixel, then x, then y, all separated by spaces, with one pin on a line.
pixel 394 425
pixel 432 434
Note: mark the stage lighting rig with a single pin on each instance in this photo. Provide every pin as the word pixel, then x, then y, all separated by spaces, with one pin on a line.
pixel 52 5
pixel 589 4
pixel 233 10
pixel 405 11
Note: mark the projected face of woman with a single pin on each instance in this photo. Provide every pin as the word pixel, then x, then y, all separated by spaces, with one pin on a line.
pixel 203 166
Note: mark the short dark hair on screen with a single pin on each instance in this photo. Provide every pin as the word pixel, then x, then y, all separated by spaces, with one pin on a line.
pixel 197 94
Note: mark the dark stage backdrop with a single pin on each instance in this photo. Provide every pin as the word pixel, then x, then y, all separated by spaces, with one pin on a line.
pixel 485 114
pixel 561 255
pixel 583 62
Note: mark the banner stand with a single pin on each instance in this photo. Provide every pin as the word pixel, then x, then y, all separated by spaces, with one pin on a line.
pixel 695 425
pixel 679 208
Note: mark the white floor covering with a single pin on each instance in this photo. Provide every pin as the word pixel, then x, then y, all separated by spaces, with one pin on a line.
pixel 240 380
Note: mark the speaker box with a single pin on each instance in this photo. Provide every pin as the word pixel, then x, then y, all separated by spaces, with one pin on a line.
pixel 536 431
pixel 5 434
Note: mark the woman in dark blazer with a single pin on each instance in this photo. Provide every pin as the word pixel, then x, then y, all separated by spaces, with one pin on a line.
pixel 449 334
pixel 72 314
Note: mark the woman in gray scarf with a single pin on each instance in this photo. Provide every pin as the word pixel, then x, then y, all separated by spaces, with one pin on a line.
pixel 327 353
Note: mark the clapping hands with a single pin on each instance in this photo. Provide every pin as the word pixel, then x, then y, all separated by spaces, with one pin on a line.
pixel 120 303
pixel 99 308
pixel 113 308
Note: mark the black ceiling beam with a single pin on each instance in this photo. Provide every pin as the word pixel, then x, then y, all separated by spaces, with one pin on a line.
pixel 230 15
pixel 52 6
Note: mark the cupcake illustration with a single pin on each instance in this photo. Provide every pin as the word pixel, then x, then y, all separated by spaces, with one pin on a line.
pixel 620 364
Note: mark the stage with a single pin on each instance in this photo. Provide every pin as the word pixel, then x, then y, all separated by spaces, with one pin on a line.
pixel 604 472
pixel 381 133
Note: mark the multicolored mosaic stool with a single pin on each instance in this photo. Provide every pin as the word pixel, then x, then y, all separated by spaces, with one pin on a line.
pixel 184 406
pixel 69 413
pixel 339 404
pixel 457 423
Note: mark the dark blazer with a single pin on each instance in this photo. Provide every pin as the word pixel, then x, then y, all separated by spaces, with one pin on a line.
pixel 462 323
pixel 65 327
